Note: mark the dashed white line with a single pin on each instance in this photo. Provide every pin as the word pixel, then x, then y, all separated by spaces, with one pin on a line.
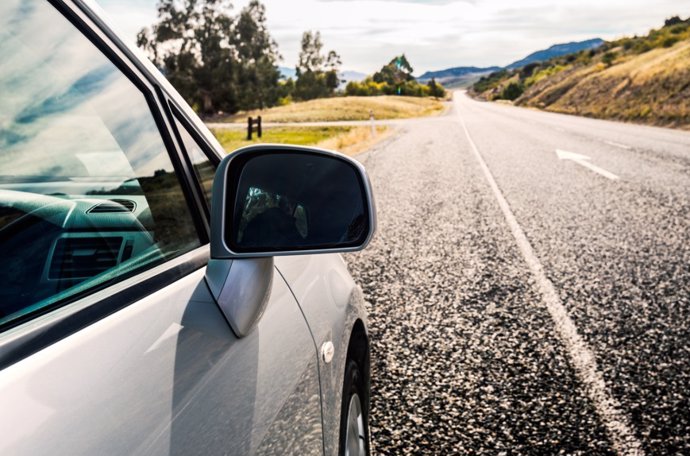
pixel 619 145
pixel 617 425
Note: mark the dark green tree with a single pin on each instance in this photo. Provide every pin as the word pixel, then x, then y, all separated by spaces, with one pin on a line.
pixel 257 52
pixel 317 75
pixel 396 73
pixel 216 61
pixel 512 91
pixel 436 90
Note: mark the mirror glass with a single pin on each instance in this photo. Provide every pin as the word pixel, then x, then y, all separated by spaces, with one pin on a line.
pixel 288 201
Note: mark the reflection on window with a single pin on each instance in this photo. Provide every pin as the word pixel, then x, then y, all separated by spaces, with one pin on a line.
pixel 88 193
pixel 204 170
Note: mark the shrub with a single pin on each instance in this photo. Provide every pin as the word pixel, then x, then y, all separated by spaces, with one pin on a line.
pixel 608 58
pixel 512 91
pixel 669 41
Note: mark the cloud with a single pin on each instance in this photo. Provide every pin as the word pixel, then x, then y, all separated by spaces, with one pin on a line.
pixel 436 34
pixel 419 2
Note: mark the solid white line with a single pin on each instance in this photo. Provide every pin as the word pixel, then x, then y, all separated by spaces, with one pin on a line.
pixel 617 425
pixel 597 170
pixel 615 144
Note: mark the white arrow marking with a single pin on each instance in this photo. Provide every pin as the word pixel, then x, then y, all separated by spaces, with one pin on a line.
pixel 583 160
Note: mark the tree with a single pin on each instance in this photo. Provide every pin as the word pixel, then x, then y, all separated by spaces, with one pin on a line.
pixel 317 76
pixel 216 61
pixel 673 21
pixel 257 53
pixel 397 72
pixel 436 90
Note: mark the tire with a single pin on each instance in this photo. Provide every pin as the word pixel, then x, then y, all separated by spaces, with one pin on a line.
pixel 354 413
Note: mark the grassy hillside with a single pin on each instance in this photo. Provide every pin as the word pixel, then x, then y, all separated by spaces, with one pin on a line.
pixel 346 108
pixel 641 79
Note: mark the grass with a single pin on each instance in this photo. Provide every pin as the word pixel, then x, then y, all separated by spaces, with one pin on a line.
pixel 345 108
pixel 347 140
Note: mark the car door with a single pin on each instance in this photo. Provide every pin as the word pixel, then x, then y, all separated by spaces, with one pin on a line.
pixel 110 339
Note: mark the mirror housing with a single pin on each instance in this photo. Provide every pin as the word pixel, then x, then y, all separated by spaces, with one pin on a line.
pixel 271 200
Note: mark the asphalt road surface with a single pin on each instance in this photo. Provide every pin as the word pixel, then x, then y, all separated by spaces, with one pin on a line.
pixel 529 286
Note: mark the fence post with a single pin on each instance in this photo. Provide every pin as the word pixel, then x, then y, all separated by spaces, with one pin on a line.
pixel 249 129
pixel 373 126
pixel 258 125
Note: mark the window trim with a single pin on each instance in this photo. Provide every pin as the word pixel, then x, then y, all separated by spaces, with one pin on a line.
pixel 178 118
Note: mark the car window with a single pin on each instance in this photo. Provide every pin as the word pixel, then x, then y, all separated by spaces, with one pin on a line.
pixel 204 169
pixel 88 193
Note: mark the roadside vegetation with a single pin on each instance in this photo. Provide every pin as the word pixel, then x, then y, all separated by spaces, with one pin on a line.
pixel 395 78
pixel 641 79
pixel 347 140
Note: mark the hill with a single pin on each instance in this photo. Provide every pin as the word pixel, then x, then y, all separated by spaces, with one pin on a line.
pixel 557 50
pixel 456 77
pixel 641 79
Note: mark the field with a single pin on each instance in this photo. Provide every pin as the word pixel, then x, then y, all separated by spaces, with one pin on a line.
pixel 347 140
pixel 344 108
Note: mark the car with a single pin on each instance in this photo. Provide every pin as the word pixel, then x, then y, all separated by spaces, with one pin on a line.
pixel 159 296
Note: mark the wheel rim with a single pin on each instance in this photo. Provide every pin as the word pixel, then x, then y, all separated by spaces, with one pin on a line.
pixel 355 438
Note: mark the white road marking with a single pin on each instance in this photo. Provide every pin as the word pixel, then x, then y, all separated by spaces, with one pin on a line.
pixel 617 425
pixel 619 145
pixel 583 160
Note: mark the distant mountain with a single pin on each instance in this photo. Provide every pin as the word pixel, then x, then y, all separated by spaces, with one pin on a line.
pixel 557 50
pixel 468 75
pixel 287 72
pixel 348 76
pixel 455 73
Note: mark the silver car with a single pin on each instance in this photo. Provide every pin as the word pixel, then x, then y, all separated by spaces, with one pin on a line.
pixel 156 295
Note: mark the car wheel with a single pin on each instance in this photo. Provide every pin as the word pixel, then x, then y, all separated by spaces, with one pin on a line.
pixel 354 414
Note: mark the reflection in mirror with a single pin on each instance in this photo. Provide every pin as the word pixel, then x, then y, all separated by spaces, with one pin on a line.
pixel 289 201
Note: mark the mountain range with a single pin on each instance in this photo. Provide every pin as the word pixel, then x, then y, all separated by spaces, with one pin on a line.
pixel 458 76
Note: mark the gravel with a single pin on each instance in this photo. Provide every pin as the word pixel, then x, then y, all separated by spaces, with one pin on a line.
pixel 465 360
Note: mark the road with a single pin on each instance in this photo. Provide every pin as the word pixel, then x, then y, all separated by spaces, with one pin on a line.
pixel 529 286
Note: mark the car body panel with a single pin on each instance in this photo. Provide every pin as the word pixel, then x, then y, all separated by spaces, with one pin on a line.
pixel 332 303
pixel 166 375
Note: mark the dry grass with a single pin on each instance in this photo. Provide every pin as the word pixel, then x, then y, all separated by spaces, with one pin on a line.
pixel 356 141
pixel 345 108
pixel 347 140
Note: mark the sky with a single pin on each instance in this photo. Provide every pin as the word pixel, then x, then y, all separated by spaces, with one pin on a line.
pixel 434 34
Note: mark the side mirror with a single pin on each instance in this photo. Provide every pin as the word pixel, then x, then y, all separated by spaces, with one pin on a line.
pixel 271 200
